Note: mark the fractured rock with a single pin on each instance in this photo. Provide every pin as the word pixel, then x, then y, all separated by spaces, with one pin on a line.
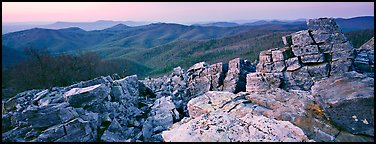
pixel 346 98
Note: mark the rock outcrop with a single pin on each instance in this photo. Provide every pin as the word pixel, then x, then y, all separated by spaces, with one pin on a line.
pixel 348 101
pixel 364 60
pixel 310 55
pixel 316 88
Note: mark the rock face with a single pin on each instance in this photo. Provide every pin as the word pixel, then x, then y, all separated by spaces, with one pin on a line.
pixel 199 79
pixel 224 116
pixel 348 101
pixel 219 126
pixel 163 114
pixel 364 60
pixel 317 88
pixel 312 54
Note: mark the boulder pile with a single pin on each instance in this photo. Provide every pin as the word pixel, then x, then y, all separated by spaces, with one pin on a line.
pixel 316 88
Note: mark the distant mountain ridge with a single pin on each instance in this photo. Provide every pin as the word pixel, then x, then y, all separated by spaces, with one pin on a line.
pixel 88 26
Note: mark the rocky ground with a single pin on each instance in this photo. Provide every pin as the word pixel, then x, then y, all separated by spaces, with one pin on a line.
pixel 317 88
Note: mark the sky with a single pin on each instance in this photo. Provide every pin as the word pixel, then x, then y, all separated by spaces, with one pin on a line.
pixel 178 12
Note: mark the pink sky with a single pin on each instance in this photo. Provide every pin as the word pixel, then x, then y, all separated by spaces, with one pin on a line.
pixel 178 11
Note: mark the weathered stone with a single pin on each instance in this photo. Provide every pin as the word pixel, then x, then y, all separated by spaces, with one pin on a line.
pixel 218 126
pixel 130 90
pixel 208 102
pixel 265 57
pixel 218 72
pixel 319 71
pixel 292 64
pixel 15 135
pixel 88 96
pixel 279 66
pixel 51 134
pixel 364 60
pixel 315 58
pixel 6 123
pixel 263 81
pixel 328 25
pixel 281 54
pixel 301 39
pixel 114 133
pixel 164 112
pixel 340 66
pixel 79 130
pixel 50 115
pixel 348 101
pixel 343 55
pixel 298 79
pixel 305 50
pixel 320 36
pixel 256 82
pixel 235 80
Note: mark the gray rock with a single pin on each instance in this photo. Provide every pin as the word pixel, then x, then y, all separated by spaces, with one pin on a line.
pixel 16 135
pixel 298 79
pixel 263 81
pixel 321 36
pixel 52 133
pixel 235 80
pixel 114 133
pixel 364 60
pixel 130 90
pixel 340 66
pixel 315 58
pixel 301 39
pixel 218 72
pixel 88 96
pixel 208 102
pixel 281 54
pixel 292 64
pixel 219 126
pixel 265 56
pixel 328 25
pixel 348 101
pixel 319 70
pixel 49 115
pixel 305 50
pixel 79 130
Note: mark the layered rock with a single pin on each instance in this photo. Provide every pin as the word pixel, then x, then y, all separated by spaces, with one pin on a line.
pixel 199 79
pixel 312 54
pixel 364 60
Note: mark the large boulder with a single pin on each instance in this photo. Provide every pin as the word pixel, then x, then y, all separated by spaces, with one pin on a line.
pixel 348 101
pixel 127 90
pixel 41 117
pixel 162 115
pixel 88 96
pixel 219 126
pixel 208 102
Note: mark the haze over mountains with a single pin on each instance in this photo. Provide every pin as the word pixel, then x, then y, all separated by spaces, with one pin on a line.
pixel 364 22
pixel 160 46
